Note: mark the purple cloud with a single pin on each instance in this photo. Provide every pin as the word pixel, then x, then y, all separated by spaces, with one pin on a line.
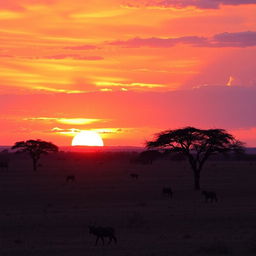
pixel 201 4
pixel 155 42
pixel 239 39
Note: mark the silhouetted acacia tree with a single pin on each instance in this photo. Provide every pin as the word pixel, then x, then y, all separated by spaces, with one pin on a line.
pixel 196 145
pixel 35 148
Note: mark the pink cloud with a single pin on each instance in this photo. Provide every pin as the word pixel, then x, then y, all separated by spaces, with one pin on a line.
pixel 81 47
pixel 150 112
pixel 17 5
pixel 213 106
pixel 73 56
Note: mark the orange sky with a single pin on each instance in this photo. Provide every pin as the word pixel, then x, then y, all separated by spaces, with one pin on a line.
pixel 126 68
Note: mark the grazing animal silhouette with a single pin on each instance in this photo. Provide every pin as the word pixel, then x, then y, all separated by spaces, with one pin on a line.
pixel 134 176
pixel 4 165
pixel 210 196
pixel 70 178
pixel 167 191
pixel 101 232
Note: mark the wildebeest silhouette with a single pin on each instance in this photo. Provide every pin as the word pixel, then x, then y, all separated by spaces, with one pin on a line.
pixel 70 178
pixel 167 191
pixel 101 232
pixel 210 196
pixel 4 165
pixel 134 176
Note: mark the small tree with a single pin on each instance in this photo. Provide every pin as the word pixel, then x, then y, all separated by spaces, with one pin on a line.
pixel 35 148
pixel 148 156
pixel 196 145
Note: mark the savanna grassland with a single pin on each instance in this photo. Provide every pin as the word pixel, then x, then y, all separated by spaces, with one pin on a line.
pixel 43 215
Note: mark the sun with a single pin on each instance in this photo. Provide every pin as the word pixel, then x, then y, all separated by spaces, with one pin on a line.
pixel 87 138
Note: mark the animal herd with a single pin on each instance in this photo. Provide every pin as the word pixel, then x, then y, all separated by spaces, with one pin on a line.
pixel 109 232
pixel 103 232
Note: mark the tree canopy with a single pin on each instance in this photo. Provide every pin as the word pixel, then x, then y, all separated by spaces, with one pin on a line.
pixel 196 144
pixel 35 148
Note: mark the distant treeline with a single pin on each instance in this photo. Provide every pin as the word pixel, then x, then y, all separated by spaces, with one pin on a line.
pixel 131 156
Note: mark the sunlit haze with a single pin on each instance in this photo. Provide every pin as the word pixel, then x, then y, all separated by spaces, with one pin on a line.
pixel 126 69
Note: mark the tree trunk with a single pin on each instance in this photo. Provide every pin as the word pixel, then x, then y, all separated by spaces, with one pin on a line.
pixel 34 165
pixel 196 179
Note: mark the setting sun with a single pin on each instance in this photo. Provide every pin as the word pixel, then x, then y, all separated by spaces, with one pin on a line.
pixel 87 138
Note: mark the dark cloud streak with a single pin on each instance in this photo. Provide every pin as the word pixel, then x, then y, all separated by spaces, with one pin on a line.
pixel 200 4
pixel 239 39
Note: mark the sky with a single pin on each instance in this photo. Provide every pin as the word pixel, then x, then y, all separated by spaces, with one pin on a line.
pixel 126 69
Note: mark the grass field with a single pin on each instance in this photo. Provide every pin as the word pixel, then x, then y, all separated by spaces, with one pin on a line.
pixel 43 215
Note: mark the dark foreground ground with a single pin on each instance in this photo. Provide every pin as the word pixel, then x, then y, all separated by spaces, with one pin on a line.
pixel 42 215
